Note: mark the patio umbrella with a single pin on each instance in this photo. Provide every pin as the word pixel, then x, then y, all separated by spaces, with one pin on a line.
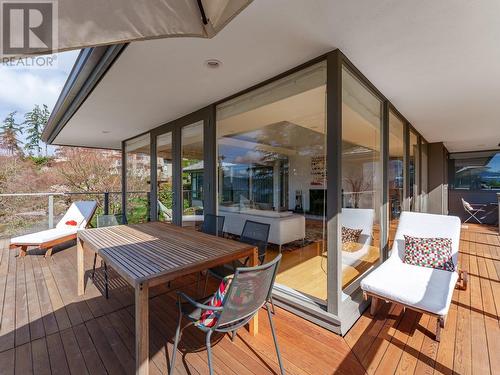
pixel 91 23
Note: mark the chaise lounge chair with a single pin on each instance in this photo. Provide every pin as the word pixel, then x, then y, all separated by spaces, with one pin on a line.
pixel 422 289
pixel 77 217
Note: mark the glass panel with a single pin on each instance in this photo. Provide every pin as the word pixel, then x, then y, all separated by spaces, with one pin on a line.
pixel 192 174
pixel 361 178
pixel 424 171
pixel 137 181
pixel 413 172
pixel 476 171
pixel 164 176
pixel 396 172
pixel 272 169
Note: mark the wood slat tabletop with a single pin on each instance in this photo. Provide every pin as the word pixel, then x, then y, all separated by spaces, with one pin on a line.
pixel 156 252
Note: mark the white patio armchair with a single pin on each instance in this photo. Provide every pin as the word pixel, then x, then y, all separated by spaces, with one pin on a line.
pixel 471 211
pixel 423 289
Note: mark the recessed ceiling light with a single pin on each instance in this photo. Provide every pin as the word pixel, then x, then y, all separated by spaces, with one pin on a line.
pixel 213 63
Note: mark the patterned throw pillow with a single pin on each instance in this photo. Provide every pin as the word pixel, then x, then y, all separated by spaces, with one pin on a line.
pixel 429 252
pixel 350 234
pixel 209 318
pixel 350 239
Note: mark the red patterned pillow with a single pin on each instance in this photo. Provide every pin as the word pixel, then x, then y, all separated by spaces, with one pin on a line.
pixel 209 318
pixel 73 223
pixel 429 252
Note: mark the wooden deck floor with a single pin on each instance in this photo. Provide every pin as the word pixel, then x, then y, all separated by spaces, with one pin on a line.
pixel 46 328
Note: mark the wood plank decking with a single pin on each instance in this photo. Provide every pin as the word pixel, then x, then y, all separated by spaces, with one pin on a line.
pixel 46 328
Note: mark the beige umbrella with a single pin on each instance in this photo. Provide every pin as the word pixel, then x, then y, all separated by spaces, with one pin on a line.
pixel 88 23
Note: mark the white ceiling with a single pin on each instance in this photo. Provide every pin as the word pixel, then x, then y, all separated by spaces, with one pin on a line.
pixel 437 61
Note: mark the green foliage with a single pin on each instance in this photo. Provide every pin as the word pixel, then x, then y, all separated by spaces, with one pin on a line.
pixel 39 160
pixel 9 132
pixel 35 121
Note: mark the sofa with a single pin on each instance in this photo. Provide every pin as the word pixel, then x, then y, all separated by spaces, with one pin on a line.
pixel 286 226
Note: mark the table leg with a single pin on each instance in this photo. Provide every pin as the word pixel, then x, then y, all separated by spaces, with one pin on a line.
pixel 142 329
pixel 253 325
pixel 80 267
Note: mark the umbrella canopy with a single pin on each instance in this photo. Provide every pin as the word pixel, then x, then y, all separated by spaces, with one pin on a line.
pixel 79 24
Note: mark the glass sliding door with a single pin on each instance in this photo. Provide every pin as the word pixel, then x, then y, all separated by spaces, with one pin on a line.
pixel 164 177
pixel 192 174
pixel 272 169
pixel 361 178
pixel 395 172
pixel 137 154
pixel 413 193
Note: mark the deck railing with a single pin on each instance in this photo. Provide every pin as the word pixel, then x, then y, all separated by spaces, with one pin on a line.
pixel 22 213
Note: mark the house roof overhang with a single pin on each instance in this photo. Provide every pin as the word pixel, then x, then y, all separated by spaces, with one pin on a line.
pixel 425 60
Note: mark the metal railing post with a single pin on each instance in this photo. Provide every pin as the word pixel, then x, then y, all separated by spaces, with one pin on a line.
pixel 51 211
pixel 106 203
pixel 148 212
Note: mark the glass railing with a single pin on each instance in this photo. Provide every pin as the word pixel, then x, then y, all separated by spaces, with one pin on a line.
pixel 23 213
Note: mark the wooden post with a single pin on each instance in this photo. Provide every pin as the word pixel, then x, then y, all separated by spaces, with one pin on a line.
pixel 142 329
pixel 22 252
pixel 80 266
pixel 373 306
pixel 253 325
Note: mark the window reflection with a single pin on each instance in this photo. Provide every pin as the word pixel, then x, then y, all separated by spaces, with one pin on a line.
pixel 272 169
pixel 361 178
pixel 396 171
pixel 138 175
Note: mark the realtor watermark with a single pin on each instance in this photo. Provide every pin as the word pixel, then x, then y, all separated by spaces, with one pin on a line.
pixel 28 33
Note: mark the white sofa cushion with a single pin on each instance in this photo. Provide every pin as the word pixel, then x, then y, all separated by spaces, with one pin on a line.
pixel 420 287
pixel 283 230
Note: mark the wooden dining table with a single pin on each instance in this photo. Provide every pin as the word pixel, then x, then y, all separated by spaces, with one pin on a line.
pixel 150 254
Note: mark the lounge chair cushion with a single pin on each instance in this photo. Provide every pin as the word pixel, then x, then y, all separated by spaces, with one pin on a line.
pixel 44 236
pixel 425 288
pixel 429 252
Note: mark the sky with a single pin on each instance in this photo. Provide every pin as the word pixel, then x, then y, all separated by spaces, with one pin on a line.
pixel 21 89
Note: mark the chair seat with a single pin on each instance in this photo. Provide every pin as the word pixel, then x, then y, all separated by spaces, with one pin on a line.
pixel 424 288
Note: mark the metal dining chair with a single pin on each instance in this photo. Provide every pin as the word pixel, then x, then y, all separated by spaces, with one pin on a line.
pixel 249 290
pixel 254 233
pixel 104 221
pixel 213 224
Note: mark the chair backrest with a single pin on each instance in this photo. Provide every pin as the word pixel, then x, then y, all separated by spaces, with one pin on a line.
pixel 418 224
pixel 250 288
pixel 213 224
pixel 467 206
pixel 81 212
pixel 257 234
pixel 167 212
pixel 106 221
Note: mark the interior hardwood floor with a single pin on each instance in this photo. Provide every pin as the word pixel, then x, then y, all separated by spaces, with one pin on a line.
pixel 47 329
